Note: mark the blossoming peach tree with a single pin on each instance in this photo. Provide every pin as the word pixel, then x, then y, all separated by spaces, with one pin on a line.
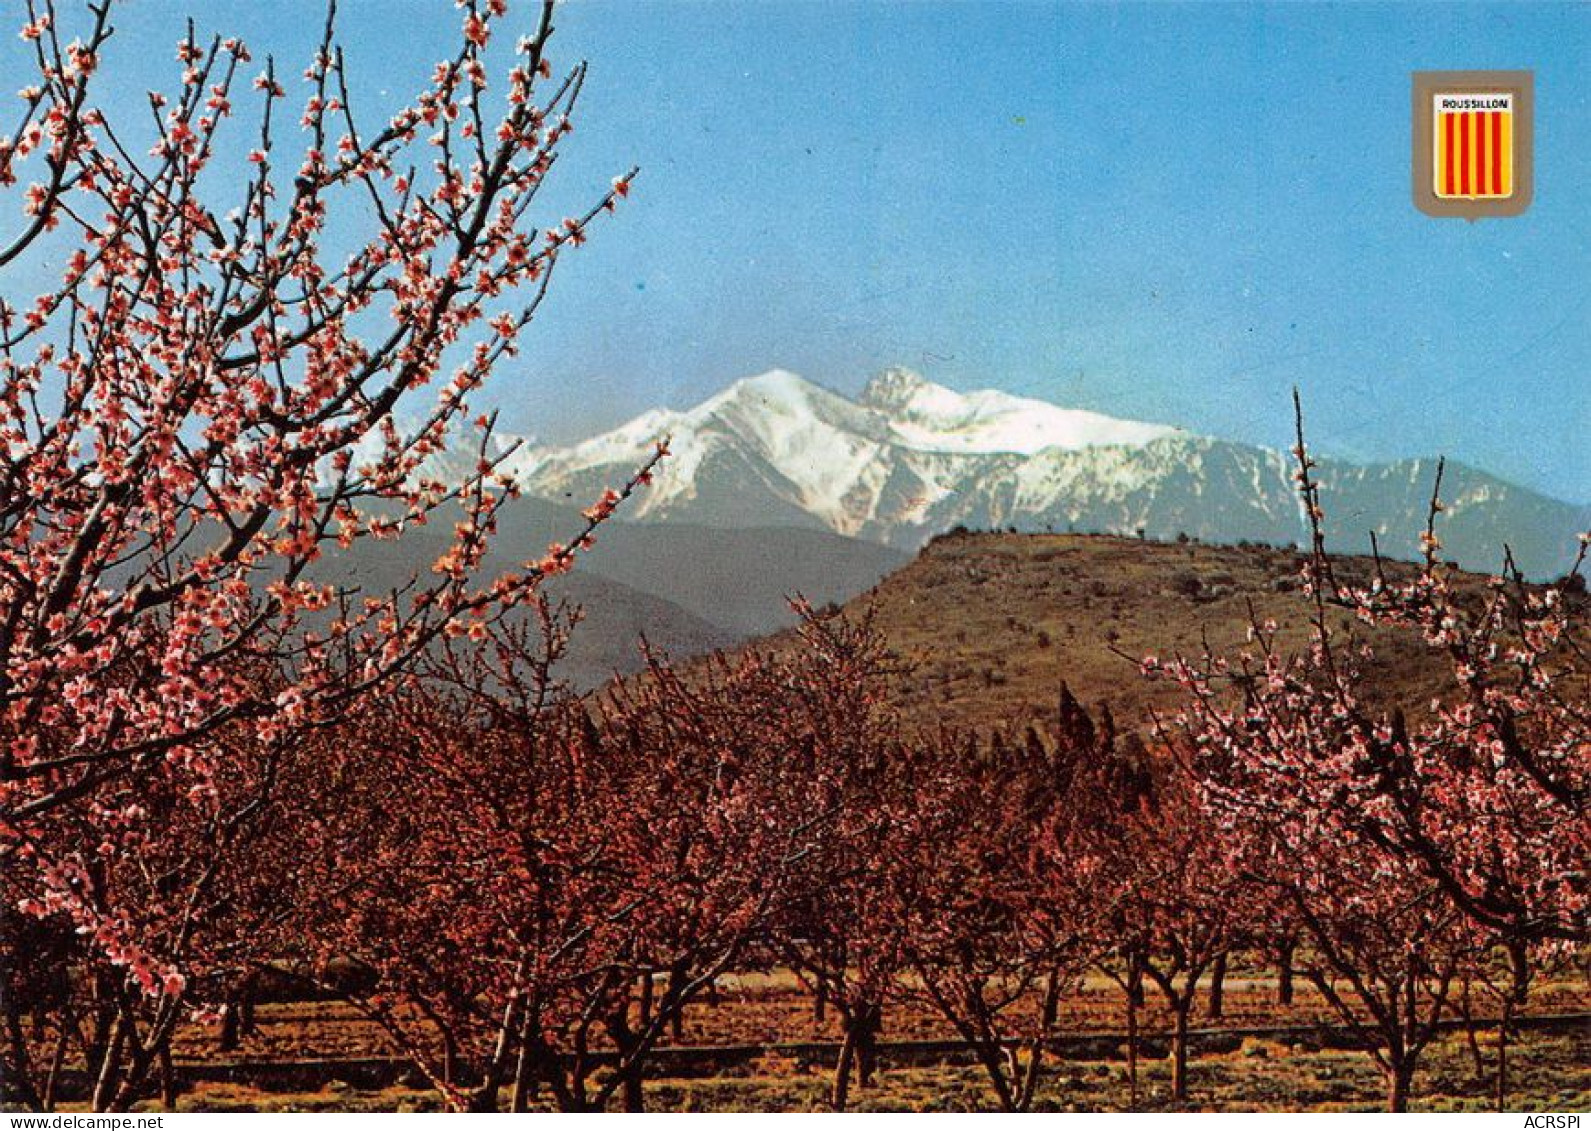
pixel 538 886
pixel 208 338
pixel 1415 844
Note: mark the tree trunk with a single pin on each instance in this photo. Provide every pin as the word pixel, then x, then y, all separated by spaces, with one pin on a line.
pixel 237 1016
pixel 628 1041
pixel 1179 1050
pixel 1132 1044
pixel 449 1060
pixel 143 1058
pixel 1503 1025
pixel 57 1060
pixel 524 1075
pixel 16 1085
pixel 227 1041
pixel 839 1095
pixel 571 1090
pixel 634 1088
pixel 168 1079
pixel 1520 974
pixel 104 1027
pixel 1467 1015
pixel 1502 1066
pixel 246 1025
pixel 1047 1015
pixel 1029 1080
pixel 872 1021
pixel 1218 989
pixel 1399 1078
pixel 110 1066
pixel 483 1100
pixel 997 1064
pixel 1284 974
pixel 676 1017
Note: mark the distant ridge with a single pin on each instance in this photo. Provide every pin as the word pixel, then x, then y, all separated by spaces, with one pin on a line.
pixel 1034 612
pixel 908 459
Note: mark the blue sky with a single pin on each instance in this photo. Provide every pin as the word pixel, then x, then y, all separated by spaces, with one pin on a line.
pixel 1172 212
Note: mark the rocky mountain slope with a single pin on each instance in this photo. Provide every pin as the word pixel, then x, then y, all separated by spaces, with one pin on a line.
pixel 685 589
pixel 909 459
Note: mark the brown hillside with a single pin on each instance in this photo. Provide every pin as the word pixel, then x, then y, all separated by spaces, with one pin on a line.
pixel 992 624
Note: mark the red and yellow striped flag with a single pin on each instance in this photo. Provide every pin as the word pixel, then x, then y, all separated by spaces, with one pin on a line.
pixel 1474 139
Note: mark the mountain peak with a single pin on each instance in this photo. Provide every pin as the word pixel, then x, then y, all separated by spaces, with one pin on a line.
pixel 893 389
pixel 773 381
pixel 910 457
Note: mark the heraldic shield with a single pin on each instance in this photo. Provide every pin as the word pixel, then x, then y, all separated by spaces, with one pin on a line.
pixel 1473 142
pixel 1474 138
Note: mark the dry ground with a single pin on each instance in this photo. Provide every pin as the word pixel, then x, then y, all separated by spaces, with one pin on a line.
pixel 773 1009
pixel 1549 1070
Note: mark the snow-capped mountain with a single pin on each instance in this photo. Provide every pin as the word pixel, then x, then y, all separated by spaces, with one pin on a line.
pixel 908 459
pixel 885 466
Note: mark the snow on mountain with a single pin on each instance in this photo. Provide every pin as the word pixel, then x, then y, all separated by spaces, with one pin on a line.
pixel 929 417
pixel 908 459
pixel 456 463
pixel 863 467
